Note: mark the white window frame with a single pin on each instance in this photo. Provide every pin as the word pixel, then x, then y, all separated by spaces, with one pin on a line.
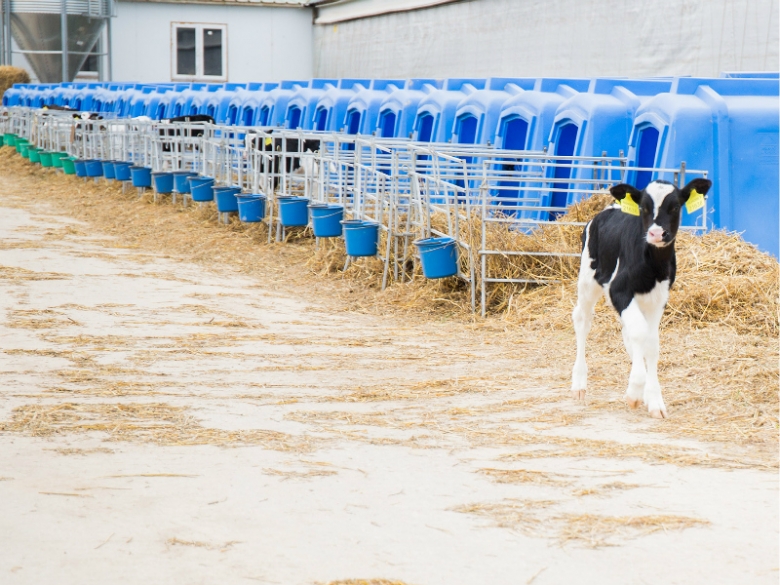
pixel 199 27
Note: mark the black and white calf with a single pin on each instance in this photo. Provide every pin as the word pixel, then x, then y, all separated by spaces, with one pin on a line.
pixel 628 255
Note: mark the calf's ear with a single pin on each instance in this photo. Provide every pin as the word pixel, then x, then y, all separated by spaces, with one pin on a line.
pixel 700 185
pixel 621 191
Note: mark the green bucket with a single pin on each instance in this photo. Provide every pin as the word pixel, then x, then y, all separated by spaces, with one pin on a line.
pixel 18 143
pixel 34 154
pixel 56 159
pixel 24 150
pixel 9 139
pixel 68 166
pixel 45 158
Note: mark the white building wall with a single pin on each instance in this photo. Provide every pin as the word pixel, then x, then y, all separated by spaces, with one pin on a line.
pixel 263 43
pixel 549 38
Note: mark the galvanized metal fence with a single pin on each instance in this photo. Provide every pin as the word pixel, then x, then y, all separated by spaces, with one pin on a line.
pixel 411 190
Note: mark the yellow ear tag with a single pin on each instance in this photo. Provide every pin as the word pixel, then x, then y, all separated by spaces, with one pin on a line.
pixel 695 201
pixel 629 206
pixel 268 141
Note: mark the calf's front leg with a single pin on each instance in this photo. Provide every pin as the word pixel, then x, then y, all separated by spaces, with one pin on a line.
pixel 635 334
pixel 652 394
pixel 588 295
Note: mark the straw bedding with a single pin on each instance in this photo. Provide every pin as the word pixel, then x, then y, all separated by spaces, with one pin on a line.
pixel 721 278
pixel 364 582
pixel 10 75
pixel 158 423
pixel 531 517
pixel 719 339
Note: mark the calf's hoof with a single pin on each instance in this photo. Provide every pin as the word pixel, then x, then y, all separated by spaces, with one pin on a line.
pixel 633 402
pixel 578 394
pixel 658 413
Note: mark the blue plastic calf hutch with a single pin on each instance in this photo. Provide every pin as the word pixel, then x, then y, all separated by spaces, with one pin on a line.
pixel 140 101
pixel 526 118
pixel 596 123
pixel 476 116
pixel 293 211
pixel 326 220
pixel 303 103
pixel 273 106
pixel 438 256
pixel 242 100
pixel 361 237
pixel 182 103
pixel 202 189
pixel 398 110
pixel 332 105
pixel 363 108
pixel 13 95
pixel 729 128
pixel 163 182
pixel 436 112
pixel 200 102
pixel 155 107
pixel 245 105
pixel 216 103
pixel 751 74
pixel 525 122
pixel 251 208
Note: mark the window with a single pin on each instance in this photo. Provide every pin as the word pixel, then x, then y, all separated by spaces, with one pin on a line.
pixel 199 51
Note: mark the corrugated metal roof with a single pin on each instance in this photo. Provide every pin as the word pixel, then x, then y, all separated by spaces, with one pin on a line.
pixel 333 11
pixel 88 7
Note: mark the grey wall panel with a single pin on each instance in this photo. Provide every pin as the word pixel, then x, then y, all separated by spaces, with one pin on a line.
pixel 555 38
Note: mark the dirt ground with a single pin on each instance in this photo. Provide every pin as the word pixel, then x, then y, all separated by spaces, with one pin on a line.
pixel 174 412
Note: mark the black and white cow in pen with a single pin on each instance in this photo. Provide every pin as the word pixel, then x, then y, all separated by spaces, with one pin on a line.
pixel 287 148
pixel 171 137
pixel 628 256
pixel 190 132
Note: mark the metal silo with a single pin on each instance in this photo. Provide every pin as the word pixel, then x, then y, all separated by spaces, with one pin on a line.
pixel 55 36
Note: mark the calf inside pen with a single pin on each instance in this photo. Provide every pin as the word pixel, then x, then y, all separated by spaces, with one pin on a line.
pixel 178 138
pixel 286 148
pixel 628 256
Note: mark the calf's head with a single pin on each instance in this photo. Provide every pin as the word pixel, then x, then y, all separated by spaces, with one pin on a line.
pixel 659 207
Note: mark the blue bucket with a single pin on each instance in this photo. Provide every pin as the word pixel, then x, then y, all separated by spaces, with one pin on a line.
pixel 361 237
pixel 439 257
pixel 251 208
pixel 202 188
pixel 293 211
pixel 163 182
pixel 94 168
pixel 81 167
pixel 108 169
pixel 122 170
pixel 180 182
pixel 226 199
pixel 326 220
pixel 141 176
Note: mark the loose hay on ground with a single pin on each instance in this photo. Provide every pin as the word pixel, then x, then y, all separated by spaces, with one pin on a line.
pixel 534 518
pixel 158 423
